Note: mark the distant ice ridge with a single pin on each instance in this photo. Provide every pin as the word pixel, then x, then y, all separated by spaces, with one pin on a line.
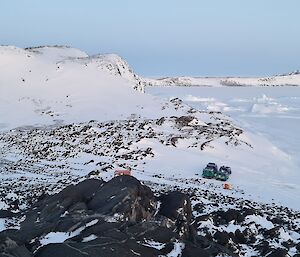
pixel 291 79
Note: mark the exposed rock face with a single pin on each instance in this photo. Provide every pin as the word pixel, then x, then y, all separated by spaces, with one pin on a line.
pixel 126 196
pixel 95 218
pixel 176 206
pixel 184 120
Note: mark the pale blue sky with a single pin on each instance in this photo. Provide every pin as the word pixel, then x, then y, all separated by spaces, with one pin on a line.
pixel 166 37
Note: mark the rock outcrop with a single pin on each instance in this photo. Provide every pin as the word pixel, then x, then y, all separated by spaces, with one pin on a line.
pixel 95 218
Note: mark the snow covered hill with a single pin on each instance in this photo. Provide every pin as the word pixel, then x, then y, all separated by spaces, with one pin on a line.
pixel 39 85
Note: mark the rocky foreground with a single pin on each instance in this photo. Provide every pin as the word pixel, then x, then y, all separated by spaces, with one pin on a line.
pixel 119 218
pixel 124 217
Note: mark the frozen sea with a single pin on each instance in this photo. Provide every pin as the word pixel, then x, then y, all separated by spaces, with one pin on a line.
pixel 273 112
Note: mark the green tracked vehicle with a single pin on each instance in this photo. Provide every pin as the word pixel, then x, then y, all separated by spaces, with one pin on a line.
pixel 210 171
pixel 223 173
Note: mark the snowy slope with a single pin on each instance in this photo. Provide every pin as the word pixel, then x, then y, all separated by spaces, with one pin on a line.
pixel 60 86
pixel 48 84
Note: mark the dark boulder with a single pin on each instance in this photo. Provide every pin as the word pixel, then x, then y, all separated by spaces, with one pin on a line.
pixel 59 250
pixel 77 205
pixel 176 206
pixel 126 196
pixel 48 213
pixel 184 120
pixel 152 231
pixel 224 217
pixel 277 220
pixel 231 215
pixel 278 253
pixel 6 214
pixel 240 237
pixel 12 248
pixel 222 237
pixel 272 233
pixel 248 211
pixel 191 250
pixel 123 196
pixel 83 191
pixel 264 248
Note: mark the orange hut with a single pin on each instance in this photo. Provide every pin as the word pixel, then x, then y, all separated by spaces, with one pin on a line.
pixel 122 173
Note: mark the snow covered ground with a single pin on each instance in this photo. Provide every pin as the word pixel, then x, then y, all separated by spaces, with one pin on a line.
pixel 60 85
pixel 66 116
pixel 57 86
pixel 271 112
